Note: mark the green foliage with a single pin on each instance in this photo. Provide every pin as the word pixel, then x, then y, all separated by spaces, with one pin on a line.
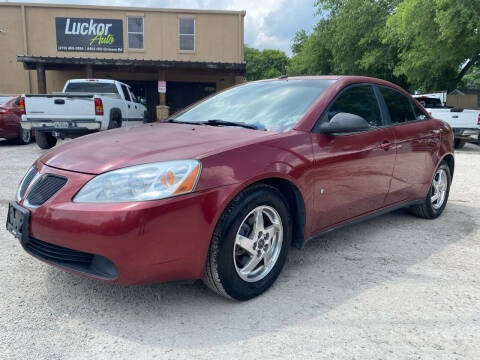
pixel 265 64
pixel 438 41
pixel 348 40
pixel 418 44
pixel 298 41
pixel 471 80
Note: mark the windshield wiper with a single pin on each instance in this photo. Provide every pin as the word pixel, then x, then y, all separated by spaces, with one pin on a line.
pixel 217 122
pixel 184 122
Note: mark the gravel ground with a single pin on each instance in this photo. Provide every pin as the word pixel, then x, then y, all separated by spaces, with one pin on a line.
pixel 393 287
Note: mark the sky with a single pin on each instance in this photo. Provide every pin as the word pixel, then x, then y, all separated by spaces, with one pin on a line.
pixel 269 24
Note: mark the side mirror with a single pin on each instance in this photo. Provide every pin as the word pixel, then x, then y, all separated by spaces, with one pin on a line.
pixel 344 123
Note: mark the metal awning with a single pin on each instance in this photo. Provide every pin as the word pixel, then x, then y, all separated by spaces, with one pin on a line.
pixel 64 63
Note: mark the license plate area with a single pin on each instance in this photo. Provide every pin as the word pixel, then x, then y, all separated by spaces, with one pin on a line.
pixel 18 221
pixel 61 124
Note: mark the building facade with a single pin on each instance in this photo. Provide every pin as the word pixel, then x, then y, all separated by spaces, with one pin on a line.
pixel 193 52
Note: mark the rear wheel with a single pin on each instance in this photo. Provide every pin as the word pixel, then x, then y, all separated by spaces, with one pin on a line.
pixel 250 244
pixel 437 197
pixel 45 140
pixel 459 143
pixel 24 136
pixel 115 120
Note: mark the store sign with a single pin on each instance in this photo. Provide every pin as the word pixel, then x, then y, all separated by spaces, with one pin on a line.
pixel 89 35
pixel 162 86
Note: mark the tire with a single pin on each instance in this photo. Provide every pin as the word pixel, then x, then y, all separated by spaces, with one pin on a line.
pixel 115 121
pixel 430 208
pixel 45 140
pixel 223 272
pixel 24 136
pixel 459 143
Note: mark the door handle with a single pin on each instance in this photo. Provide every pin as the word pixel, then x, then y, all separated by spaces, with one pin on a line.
pixel 59 101
pixel 385 145
pixel 128 106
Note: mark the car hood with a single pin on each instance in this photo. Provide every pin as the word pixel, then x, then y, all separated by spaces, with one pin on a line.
pixel 114 149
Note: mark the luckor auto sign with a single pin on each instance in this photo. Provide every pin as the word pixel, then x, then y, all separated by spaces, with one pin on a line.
pixel 89 35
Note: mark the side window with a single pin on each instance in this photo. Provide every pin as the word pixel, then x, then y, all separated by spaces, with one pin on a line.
pixel 398 105
pixel 134 98
pixel 126 93
pixel 17 102
pixel 419 113
pixel 358 100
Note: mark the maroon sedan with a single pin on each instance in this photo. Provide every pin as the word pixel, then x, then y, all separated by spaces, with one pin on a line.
pixel 221 190
pixel 10 116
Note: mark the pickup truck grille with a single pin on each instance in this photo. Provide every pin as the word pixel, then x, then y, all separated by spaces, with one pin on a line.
pixel 44 189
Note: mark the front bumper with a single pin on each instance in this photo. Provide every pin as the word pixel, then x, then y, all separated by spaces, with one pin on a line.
pixel 152 241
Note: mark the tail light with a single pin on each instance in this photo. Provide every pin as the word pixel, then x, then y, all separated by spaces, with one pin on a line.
pixel 98 106
pixel 22 106
pixel 478 119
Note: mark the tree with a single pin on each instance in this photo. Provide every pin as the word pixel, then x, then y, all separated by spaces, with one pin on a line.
pixel 348 40
pixel 299 41
pixel 438 41
pixel 264 64
pixel 471 80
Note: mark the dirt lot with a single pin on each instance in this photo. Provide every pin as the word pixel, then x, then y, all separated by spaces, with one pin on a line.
pixel 393 287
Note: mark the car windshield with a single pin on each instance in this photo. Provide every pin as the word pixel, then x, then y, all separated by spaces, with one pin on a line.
pixel 91 87
pixel 266 105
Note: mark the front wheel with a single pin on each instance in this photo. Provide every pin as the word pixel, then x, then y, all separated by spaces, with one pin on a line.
pixel 250 244
pixel 437 197
pixel 45 140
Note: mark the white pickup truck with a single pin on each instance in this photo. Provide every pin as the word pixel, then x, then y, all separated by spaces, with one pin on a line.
pixel 465 122
pixel 84 106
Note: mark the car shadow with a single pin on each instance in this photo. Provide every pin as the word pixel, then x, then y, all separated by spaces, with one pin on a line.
pixel 328 272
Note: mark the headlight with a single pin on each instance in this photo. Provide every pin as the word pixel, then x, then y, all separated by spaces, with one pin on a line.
pixel 142 182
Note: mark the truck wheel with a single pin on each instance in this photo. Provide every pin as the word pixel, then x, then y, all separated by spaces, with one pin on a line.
pixel 115 121
pixel 459 143
pixel 45 140
pixel 24 136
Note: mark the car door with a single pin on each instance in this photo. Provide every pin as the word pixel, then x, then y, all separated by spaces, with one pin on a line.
pixel 416 140
pixel 352 172
pixel 136 115
pixel 129 106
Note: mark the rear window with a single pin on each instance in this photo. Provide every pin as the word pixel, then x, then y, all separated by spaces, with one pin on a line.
pixel 429 102
pixel 92 88
pixel 4 99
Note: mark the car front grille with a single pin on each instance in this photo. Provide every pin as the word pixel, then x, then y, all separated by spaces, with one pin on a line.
pixel 57 253
pixel 27 180
pixel 44 189
pixel 85 263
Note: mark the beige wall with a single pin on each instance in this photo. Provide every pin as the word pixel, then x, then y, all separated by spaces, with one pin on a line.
pixel 218 38
pixel 463 101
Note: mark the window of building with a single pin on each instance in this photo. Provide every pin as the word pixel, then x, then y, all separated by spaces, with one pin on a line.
pixel 186 34
pixel 135 32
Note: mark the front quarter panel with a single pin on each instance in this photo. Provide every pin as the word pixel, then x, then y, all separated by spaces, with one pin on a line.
pixel 287 156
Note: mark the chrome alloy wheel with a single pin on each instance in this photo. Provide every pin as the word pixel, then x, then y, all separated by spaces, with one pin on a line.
pixel 258 243
pixel 439 189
